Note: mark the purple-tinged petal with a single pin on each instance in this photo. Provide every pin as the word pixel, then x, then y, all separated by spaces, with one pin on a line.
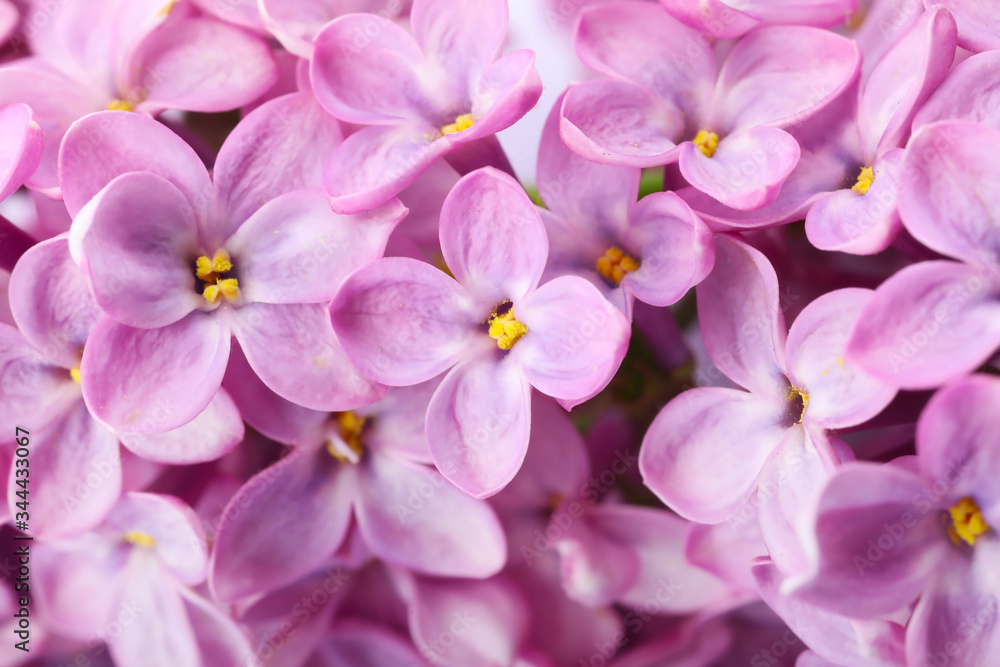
pixel 620 123
pixel 860 224
pixel 492 237
pixel 929 323
pixel 295 352
pixel 903 80
pixel 210 435
pixel 748 167
pixel 478 425
pixel 244 13
pixel 948 195
pixel 463 38
pixel 399 425
pixel 136 240
pixel 21 144
pixel 77 475
pixel 969 92
pixel 639 42
pixel 296 250
pixel 284 523
pixel 51 302
pixel 411 516
pixel 715 17
pixel 295 23
pixel 726 549
pixel 9 17
pixel 104 145
pixel 153 380
pixel 402 321
pixel 376 163
pixel 760 85
pixel 33 391
pixel 281 147
pixel 978 24
pixel 506 91
pixel 876 542
pixel 703 453
pixel 840 394
pixel 220 640
pixel 676 249
pixel 202 65
pixel 361 644
pixel 740 313
pixel 575 342
pixel 368 70
pixel 595 569
pixel 955 444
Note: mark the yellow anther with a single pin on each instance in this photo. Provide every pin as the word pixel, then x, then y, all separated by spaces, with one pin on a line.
pixel 706 142
pixel 167 8
pixel 351 426
pixel 221 262
pixel 462 123
pixel 967 522
pixel 614 264
pixel 794 394
pixel 207 269
pixel 120 105
pixel 140 539
pixel 865 179
pixel 212 293
pixel 230 289
pixel 75 374
pixel 203 268
pixel 505 330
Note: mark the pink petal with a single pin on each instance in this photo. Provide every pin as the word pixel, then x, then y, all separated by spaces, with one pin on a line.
pixel 464 39
pixel 21 144
pixel 620 123
pixel 153 380
pixel 294 350
pixel 714 17
pixel 104 145
pixel 285 522
pixel 747 170
pixel 402 321
pixel 575 342
pixel 411 516
pixel 840 394
pixel 365 645
pixel 34 391
pixel 961 97
pixel 930 322
pixel 478 424
pixel 264 157
pixel 978 25
pixel 505 92
pixel 137 238
pixel 210 435
pixel 294 249
pixel 492 238
pixel 220 640
pixel 202 65
pixel 740 313
pixel 703 453
pixel 595 569
pixel 244 13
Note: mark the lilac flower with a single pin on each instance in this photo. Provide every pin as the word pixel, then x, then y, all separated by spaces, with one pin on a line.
pixel 665 88
pixel 180 262
pixel 76 468
pixel 886 535
pixel 706 449
pixel 295 23
pixel 363 467
pixel 135 54
pixel 731 18
pixel 441 93
pixel 653 251
pixel 978 24
pixel 937 320
pixel 402 322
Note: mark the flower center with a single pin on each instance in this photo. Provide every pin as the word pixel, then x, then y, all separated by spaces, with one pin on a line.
pixel 706 142
pixel 614 264
pixel 865 179
pixel 213 273
pixel 796 395
pixel 462 123
pixel 120 105
pixel 167 8
pixel 75 374
pixel 140 539
pixel 966 522
pixel 504 329
pixel 347 448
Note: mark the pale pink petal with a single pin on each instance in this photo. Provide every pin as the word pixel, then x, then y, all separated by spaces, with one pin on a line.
pixel 21 144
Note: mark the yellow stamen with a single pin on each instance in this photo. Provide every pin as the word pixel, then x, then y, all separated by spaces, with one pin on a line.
pixel 120 105
pixel 505 330
pixel 203 268
pixel 230 289
pixel 966 522
pixel 139 538
pixel 351 426
pixel 462 123
pixel 75 374
pixel 707 142
pixel 614 264
pixel 206 268
pixel 796 393
pixel 865 179
pixel 167 8
pixel 211 293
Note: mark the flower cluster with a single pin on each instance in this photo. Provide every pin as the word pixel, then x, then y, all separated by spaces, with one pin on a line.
pixel 295 371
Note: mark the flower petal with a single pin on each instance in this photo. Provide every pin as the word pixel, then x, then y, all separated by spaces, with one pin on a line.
pixel 153 380
pixel 714 17
pixel 21 144
pixel 478 425
pixel 464 38
pixel 32 389
pixel 978 27
pixel 961 97
pixel 295 352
